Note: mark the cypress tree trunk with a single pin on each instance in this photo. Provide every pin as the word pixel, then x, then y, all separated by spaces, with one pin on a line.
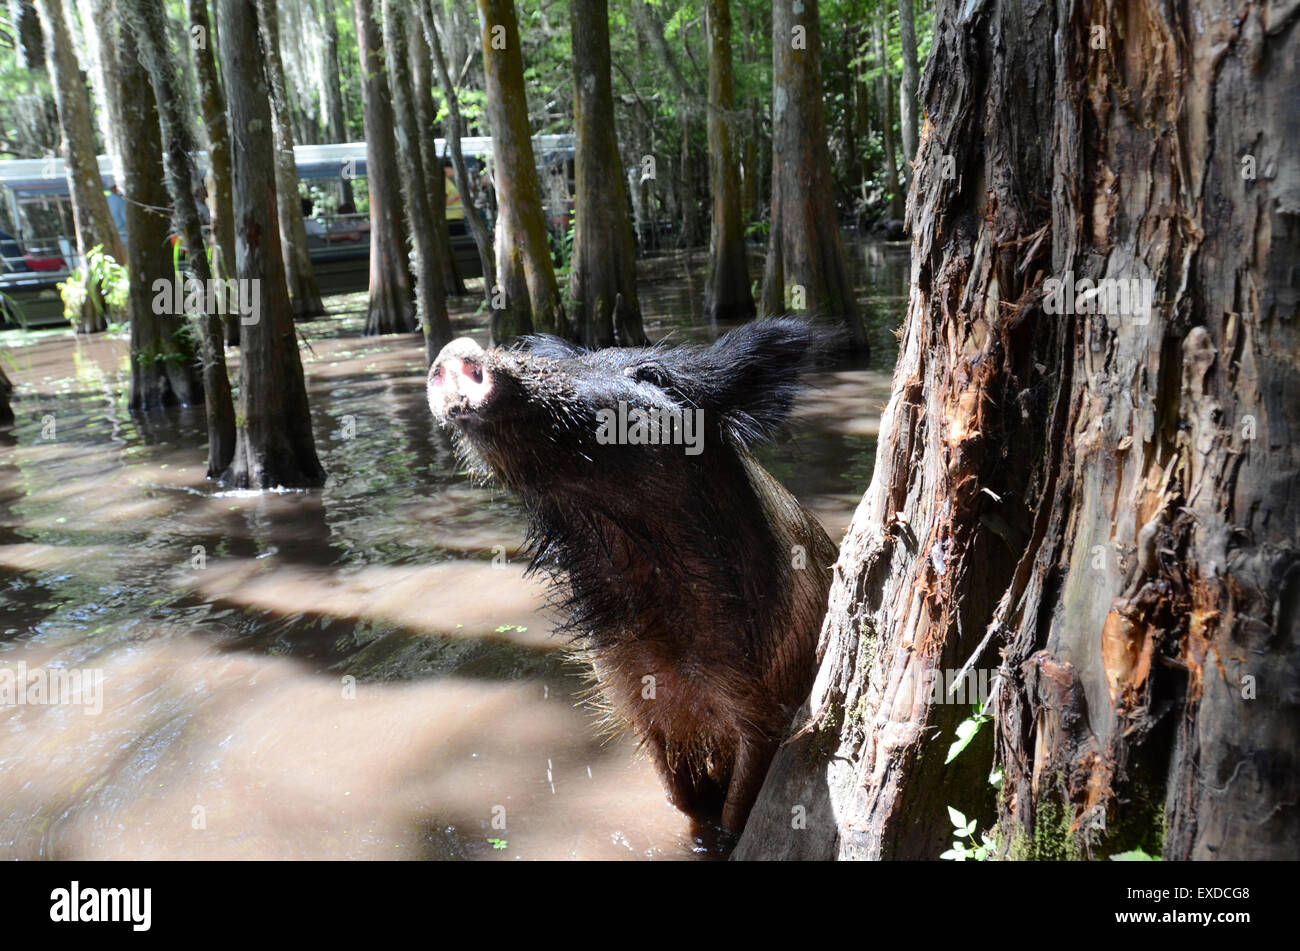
pixel 473 219
pixel 90 214
pixel 430 296
pixel 727 297
pixel 805 268
pixel 331 90
pixel 6 398
pixel 304 292
pixel 603 284
pixel 274 443
pixel 1085 493
pixel 523 254
pixel 907 89
pixel 148 20
pixel 212 103
pixel 886 83
pixel 391 309
pixel 164 369
pixel 435 182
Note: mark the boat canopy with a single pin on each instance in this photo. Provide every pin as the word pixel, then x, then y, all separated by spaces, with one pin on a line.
pixel 45 176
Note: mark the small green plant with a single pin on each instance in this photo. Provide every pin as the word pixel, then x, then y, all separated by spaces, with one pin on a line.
pixel 1134 855
pixel 497 843
pixel 966 731
pixel 100 272
pixel 986 846
pixel 970 849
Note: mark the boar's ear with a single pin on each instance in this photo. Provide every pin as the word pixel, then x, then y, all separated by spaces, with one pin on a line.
pixel 752 374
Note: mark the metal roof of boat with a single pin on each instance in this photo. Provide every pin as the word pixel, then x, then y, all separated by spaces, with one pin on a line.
pixel 46 175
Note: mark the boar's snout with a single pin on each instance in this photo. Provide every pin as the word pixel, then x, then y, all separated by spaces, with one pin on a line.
pixel 459 380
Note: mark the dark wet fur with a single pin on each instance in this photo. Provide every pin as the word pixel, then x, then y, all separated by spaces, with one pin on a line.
pixel 668 565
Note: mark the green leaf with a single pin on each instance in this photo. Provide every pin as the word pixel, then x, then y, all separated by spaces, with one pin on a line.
pixel 1134 855
pixel 958 820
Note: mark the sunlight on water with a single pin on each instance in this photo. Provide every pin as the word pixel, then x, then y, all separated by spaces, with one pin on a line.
pixel 361 671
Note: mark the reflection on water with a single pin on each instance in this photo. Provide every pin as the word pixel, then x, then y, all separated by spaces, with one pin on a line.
pixel 355 672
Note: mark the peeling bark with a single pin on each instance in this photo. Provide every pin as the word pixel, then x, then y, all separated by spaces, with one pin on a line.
pixel 1098 508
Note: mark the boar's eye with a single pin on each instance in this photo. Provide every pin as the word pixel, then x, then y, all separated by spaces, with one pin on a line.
pixel 650 372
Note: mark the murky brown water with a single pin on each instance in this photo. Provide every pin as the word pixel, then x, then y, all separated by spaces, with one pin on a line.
pixel 343 673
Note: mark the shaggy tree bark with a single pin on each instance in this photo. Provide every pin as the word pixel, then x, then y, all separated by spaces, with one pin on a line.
pixel 304 292
pixel 90 214
pixel 477 226
pixel 274 444
pixel 430 295
pixel 391 309
pixel 148 19
pixel 1092 501
pixel 524 270
pixel 727 296
pixel 603 284
pixel 805 268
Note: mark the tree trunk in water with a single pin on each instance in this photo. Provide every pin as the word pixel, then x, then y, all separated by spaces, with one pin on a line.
pixel 304 292
pixel 212 103
pixel 520 219
pixel 805 268
pixel 164 370
pixel 907 89
pixel 90 214
pixel 6 398
pixel 331 91
pixel 606 308
pixel 886 83
pixel 274 443
pixel 435 181
pixel 727 297
pixel 430 295
pixel 391 309
pixel 147 19
pixel 1086 492
pixel 689 206
pixel 477 227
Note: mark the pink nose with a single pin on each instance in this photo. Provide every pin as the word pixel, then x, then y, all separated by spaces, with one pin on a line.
pixel 457 384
